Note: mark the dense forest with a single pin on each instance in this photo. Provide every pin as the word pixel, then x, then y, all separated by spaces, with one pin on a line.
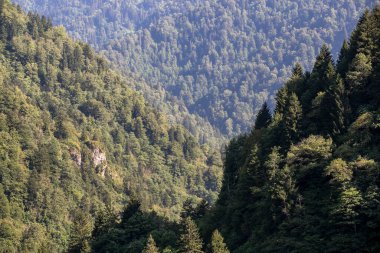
pixel 305 179
pixel 216 59
pixel 76 142
pixel 86 165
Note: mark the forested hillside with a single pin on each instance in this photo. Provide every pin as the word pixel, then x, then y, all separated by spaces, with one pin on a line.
pixel 306 179
pixel 217 59
pixel 76 142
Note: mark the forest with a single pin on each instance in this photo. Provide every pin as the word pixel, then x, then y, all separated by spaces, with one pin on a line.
pixel 77 141
pixel 305 179
pixel 207 62
pixel 87 164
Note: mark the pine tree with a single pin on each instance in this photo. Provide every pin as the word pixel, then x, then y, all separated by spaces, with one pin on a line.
pixel 80 231
pixel 217 243
pixel 263 118
pixel 280 186
pixel 292 118
pixel 343 59
pixel 359 72
pixel 191 241
pixel 297 71
pixel 4 204
pixel 151 246
pixel 333 108
pixel 281 100
pixel 321 75
pixel 361 39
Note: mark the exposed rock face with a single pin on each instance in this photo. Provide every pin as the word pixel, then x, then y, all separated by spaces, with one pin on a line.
pixel 100 161
pixel 76 156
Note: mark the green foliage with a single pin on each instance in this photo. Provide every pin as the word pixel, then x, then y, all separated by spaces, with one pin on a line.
pixel 217 243
pixel 207 72
pixel 320 157
pixel 190 238
pixel 263 118
pixel 151 246
pixel 76 142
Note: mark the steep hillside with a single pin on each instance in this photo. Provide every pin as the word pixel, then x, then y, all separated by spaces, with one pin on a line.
pixel 76 141
pixel 306 179
pixel 217 59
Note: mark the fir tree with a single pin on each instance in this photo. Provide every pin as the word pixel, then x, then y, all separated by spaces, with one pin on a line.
pixel 333 108
pixel 297 71
pixel 191 241
pixel 151 246
pixel 217 243
pixel 361 39
pixel 263 118
pixel 360 69
pixel 343 59
pixel 279 186
pixel 320 77
pixel 292 118
pixel 281 100
pixel 4 204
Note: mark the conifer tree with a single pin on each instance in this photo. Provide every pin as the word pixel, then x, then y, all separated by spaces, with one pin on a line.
pixel 191 241
pixel 358 74
pixel 292 118
pixel 361 39
pixel 263 118
pixel 297 71
pixel 279 185
pixel 217 243
pixel 321 75
pixel 4 204
pixel 343 59
pixel 151 246
pixel 333 108
pixel 281 100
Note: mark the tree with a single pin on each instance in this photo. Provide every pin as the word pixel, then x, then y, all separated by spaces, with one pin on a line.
pixel 263 118
pixel 292 118
pixel 333 108
pixel 217 243
pixel 323 72
pixel 281 100
pixel 359 72
pixel 80 231
pixel 151 246
pixel 191 241
pixel 343 59
pixel 4 204
pixel 279 186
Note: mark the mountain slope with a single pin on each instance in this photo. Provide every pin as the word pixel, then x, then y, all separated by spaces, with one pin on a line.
pixel 76 141
pixel 218 59
pixel 307 180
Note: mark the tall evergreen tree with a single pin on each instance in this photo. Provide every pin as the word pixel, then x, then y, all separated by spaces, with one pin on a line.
pixel 281 100
pixel 263 118
pixel 292 118
pixel 333 108
pixel 217 243
pixel 151 246
pixel 323 72
pixel 4 204
pixel 361 39
pixel 279 187
pixel 343 59
pixel 191 241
